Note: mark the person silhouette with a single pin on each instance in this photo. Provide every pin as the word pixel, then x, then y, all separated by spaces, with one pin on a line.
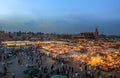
pixel 13 74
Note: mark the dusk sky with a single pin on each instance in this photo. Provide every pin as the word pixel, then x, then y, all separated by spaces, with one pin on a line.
pixel 61 16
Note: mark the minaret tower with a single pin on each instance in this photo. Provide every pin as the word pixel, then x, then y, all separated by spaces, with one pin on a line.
pixel 96 34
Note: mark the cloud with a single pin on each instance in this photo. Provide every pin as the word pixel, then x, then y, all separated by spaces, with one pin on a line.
pixel 47 16
pixel 62 25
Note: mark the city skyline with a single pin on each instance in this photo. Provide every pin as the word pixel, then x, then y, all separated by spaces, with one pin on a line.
pixel 60 16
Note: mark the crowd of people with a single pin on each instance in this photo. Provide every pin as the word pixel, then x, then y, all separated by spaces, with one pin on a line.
pixel 32 58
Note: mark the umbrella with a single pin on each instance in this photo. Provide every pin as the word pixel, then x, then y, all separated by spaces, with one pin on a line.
pixel 31 71
pixel 58 76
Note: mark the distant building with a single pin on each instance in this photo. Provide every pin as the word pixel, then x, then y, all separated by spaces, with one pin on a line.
pixel 96 34
pixel 87 35
pixel 3 36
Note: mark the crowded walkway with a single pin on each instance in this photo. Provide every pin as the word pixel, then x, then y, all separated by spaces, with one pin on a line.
pixel 15 61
